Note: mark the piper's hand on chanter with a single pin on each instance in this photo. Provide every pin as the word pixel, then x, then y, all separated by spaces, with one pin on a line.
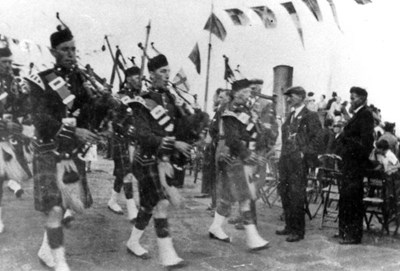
pixel 183 147
pixel 85 135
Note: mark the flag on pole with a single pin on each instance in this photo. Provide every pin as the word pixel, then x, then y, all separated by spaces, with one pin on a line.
pixel 363 2
pixel 215 26
pixel 266 15
pixel 238 17
pixel 229 76
pixel 292 11
pixel 195 57
pixel 180 81
pixel 333 8
pixel 314 7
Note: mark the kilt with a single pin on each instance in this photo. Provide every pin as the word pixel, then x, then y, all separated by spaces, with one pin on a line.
pixel 120 154
pixel 45 189
pixel 232 184
pixel 150 188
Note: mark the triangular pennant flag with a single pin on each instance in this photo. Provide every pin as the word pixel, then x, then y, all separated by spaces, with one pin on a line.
pixel 237 16
pixel 363 2
pixel 180 80
pixel 333 8
pixel 266 15
pixel 292 11
pixel 215 26
pixel 314 7
pixel 195 57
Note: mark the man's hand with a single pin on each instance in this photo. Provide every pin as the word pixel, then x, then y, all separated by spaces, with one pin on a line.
pixel 183 148
pixel 86 135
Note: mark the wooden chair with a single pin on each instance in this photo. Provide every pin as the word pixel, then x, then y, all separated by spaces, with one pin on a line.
pixel 268 190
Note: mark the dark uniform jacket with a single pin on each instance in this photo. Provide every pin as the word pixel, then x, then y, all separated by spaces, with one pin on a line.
pixel 302 134
pixel 358 139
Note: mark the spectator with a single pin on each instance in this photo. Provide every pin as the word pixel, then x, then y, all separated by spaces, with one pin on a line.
pixel 357 139
pixel 331 100
pixel 310 102
pixel 390 137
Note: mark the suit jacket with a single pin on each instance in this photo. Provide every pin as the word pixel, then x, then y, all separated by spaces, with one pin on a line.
pixel 302 134
pixel 358 139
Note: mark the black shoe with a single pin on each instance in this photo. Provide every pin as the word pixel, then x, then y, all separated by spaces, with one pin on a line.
pixel 294 238
pixel 260 248
pixel 282 232
pixel 144 256
pixel 19 193
pixel 347 241
pixel 213 236
pixel 181 264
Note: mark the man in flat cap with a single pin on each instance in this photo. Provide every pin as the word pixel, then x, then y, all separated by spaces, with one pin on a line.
pixel 236 160
pixel 300 147
pixel 159 125
pixel 357 140
pixel 60 103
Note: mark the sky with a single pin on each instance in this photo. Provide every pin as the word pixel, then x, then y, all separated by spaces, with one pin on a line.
pixel 363 53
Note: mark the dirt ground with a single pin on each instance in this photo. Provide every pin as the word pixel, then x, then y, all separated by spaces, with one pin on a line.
pixel 96 240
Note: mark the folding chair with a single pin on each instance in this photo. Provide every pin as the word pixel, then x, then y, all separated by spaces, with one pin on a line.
pixel 328 180
pixel 268 190
pixel 382 201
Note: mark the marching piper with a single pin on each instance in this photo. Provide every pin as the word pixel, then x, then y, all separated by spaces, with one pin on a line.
pixel 60 106
pixel 14 106
pixel 123 149
pixel 236 158
pixel 158 122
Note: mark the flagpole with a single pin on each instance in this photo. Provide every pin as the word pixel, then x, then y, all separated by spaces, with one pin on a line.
pixel 208 62
pixel 113 58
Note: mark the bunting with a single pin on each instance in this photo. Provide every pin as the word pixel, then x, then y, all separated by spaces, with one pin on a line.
pixel 180 81
pixel 292 11
pixel 266 15
pixel 363 2
pixel 333 8
pixel 215 26
pixel 195 57
pixel 237 16
pixel 314 7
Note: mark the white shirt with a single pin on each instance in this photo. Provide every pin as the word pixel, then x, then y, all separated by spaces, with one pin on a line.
pixel 298 109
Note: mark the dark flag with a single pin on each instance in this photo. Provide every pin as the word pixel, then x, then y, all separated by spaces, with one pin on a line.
pixel 292 11
pixel 237 16
pixel 333 8
pixel 195 57
pixel 314 7
pixel 229 76
pixel 363 2
pixel 266 15
pixel 215 26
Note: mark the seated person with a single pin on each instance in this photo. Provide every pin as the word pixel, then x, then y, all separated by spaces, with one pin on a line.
pixel 388 162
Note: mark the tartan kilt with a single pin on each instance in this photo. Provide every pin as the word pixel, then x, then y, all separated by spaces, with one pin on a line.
pixel 150 188
pixel 232 182
pixel 120 155
pixel 45 190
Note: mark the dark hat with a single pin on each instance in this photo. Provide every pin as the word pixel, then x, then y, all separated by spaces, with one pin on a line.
pixel 334 94
pixel 5 52
pixel 359 91
pixel 256 81
pixel 240 84
pixel 296 90
pixel 132 71
pixel 310 94
pixel 62 35
pixel 157 62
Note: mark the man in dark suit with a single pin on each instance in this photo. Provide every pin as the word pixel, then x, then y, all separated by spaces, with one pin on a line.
pixel 357 140
pixel 300 146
